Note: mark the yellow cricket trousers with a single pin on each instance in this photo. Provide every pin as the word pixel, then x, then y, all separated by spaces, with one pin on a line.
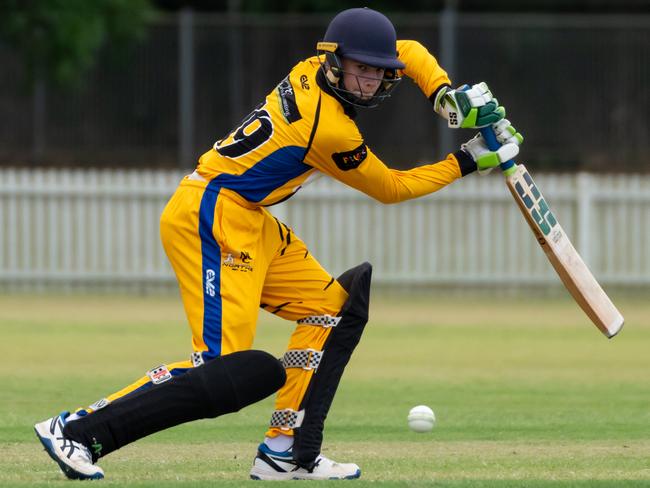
pixel 231 257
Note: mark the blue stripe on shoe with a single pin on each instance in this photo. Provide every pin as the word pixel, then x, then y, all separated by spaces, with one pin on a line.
pixel 211 267
pixel 288 454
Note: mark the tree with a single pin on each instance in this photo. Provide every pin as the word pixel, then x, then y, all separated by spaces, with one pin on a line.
pixel 58 40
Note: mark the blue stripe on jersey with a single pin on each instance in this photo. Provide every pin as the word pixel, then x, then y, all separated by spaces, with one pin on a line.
pixel 211 254
pixel 270 173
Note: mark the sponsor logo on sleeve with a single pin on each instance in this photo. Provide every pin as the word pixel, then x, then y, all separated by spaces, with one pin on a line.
pixel 350 159
pixel 288 105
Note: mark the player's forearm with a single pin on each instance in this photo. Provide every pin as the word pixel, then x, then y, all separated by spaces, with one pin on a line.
pixel 420 181
pixel 422 67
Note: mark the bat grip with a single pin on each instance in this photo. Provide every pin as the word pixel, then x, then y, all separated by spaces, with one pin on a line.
pixel 493 145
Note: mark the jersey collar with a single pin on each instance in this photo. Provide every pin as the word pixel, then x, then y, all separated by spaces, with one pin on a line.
pixel 348 108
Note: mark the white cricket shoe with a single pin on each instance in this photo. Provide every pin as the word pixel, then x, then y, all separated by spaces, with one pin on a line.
pixel 73 458
pixel 272 465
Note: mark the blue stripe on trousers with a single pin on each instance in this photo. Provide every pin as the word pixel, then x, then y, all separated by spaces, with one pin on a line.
pixel 211 267
pixel 149 384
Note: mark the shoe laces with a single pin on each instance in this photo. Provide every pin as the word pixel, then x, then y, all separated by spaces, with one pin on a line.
pixel 316 464
pixel 74 448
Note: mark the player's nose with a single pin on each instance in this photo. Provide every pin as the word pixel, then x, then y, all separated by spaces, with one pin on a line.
pixel 371 82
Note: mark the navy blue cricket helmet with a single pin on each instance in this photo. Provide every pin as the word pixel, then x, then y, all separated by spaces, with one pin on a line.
pixel 363 35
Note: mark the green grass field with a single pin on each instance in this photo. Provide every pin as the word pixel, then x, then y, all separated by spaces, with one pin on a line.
pixel 527 393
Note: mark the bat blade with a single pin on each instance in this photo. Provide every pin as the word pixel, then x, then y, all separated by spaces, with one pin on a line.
pixel 559 250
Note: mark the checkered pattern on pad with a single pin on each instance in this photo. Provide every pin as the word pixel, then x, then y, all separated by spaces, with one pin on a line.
pixel 302 358
pixel 287 419
pixel 321 320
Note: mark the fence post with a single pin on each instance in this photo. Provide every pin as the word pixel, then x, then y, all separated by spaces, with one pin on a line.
pixel 39 115
pixel 583 203
pixel 186 88
pixel 447 28
pixel 236 73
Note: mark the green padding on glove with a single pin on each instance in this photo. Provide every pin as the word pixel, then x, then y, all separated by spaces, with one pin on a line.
pixel 515 134
pixel 489 114
pixel 470 119
pixel 470 108
pixel 485 159
pixel 488 160
pixel 464 104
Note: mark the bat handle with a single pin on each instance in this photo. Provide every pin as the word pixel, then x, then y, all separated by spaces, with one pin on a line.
pixel 492 144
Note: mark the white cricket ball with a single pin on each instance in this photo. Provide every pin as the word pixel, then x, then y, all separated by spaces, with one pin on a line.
pixel 421 419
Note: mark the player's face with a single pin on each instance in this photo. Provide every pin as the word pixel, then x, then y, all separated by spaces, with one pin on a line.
pixel 361 79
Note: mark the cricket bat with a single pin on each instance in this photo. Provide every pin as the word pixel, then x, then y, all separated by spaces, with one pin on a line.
pixel 557 246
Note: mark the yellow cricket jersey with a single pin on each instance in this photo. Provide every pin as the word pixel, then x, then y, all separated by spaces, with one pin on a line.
pixel 303 128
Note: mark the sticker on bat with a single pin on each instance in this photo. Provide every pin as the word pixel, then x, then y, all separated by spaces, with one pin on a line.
pixel 536 205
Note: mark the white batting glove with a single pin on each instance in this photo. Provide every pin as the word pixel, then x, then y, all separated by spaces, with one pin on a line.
pixel 487 160
pixel 469 108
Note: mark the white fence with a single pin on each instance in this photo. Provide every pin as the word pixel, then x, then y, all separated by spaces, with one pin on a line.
pixel 87 228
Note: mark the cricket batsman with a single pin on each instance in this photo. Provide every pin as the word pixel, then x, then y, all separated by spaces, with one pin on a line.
pixel 231 255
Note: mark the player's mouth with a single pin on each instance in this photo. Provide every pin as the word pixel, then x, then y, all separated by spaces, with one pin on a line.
pixel 363 95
